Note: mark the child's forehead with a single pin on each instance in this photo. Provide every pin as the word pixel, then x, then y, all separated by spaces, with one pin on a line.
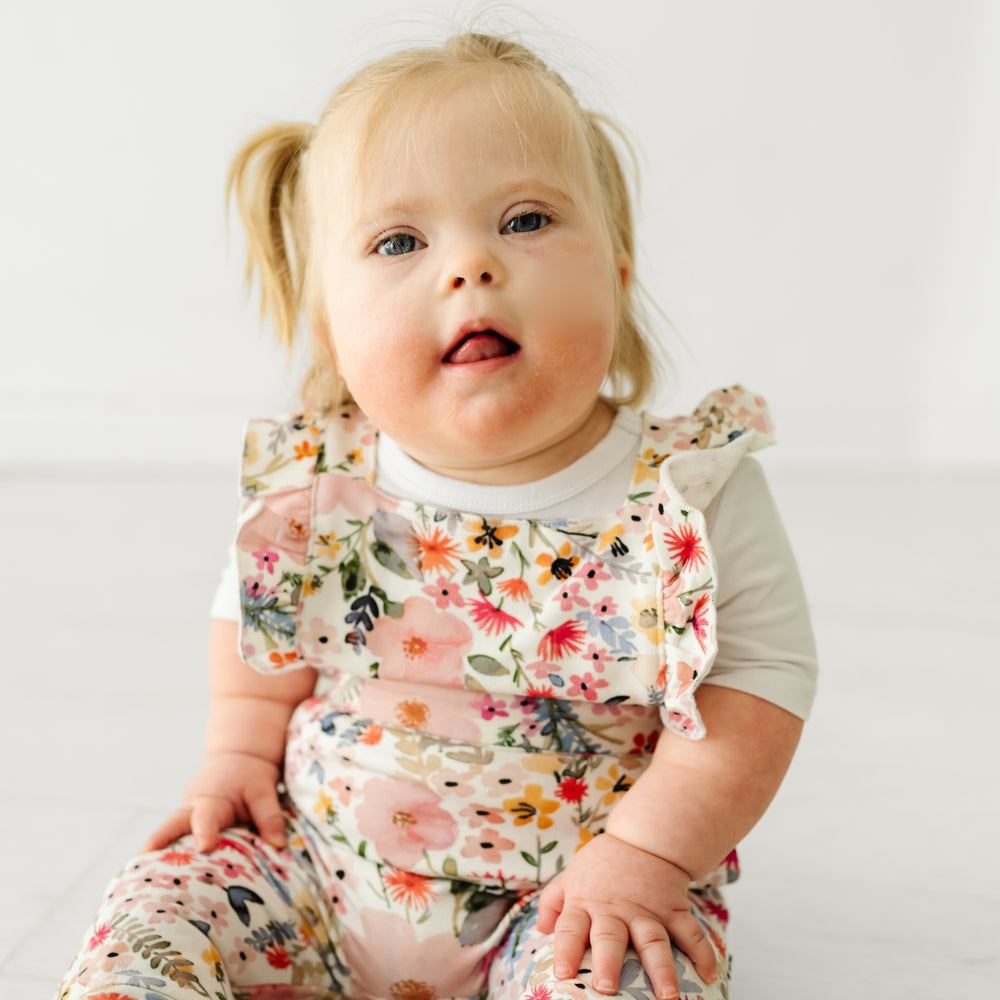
pixel 400 136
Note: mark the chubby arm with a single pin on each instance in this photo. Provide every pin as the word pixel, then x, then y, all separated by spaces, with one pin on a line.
pixel 688 810
pixel 244 748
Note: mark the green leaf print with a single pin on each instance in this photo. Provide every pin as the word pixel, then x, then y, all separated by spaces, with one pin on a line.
pixel 390 559
pixel 488 666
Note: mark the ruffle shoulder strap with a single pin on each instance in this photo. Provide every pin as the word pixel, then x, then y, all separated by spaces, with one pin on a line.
pixel 683 464
pixel 284 460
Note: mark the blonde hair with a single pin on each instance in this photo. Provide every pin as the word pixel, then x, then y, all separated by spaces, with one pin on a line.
pixel 276 179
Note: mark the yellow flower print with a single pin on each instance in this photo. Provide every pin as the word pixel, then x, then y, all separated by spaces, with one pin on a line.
pixel 327 547
pixel 614 785
pixel 645 468
pixel 560 566
pixel 305 450
pixel 586 836
pixel 354 456
pixel 489 535
pixel 531 806
pixel 647 618
pixel 213 959
pixel 324 807
pixel 309 586
pixel 611 539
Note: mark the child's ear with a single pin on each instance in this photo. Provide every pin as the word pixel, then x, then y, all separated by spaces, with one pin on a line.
pixel 623 267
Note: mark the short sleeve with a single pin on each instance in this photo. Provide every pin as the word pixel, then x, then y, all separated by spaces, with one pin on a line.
pixel 765 639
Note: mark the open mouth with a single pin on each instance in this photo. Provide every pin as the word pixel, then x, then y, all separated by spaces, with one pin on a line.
pixel 480 345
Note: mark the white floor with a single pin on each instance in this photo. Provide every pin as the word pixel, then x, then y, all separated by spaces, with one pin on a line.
pixel 873 874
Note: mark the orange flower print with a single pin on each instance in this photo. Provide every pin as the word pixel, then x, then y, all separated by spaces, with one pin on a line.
pixel 612 539
pixel 408 888
pixel 560 566
pixel 646 467
pixel 516 589
pixel 489 535
pixel 614 785
pixel 435 551
pixel 279 661
pixel 371 735
pixel 305 450
pixel 685 547
pixel 413 714
pixel 531 807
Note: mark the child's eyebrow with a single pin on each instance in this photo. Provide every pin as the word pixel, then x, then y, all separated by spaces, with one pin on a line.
pixel 527 189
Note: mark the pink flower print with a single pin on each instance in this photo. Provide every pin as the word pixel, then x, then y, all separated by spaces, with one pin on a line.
pixel 681 723
pixel 490 708
pixel 502 780
pixel 592 574
pixel 444 593
pixel 99 936
pixel 570 597
pixel 586 685
pixel 477 815
pixel 686 548
pixel 488 845
pixel 539 992
pixel 404 819
pixel 605 608
pixel 266 559
pixel 562 640
pixel 257 590
pixel 447 781
pixel 412 969
pixel 115 955
pixel 542 669
pixel 424 645
pixel 597 657
pixel 675 612
pixel 159 912
pixel 279 527
pixel 699 621
pixel 341 787
pixel 318 642
pixel 491 619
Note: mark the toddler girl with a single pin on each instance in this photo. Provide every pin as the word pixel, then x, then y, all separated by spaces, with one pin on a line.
pixel 454 749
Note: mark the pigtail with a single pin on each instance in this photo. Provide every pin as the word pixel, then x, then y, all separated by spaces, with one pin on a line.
pixel 633 369
pixel 265 179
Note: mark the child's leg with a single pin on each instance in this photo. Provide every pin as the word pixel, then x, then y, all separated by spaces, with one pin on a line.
pixel 522 970
pixel 176 923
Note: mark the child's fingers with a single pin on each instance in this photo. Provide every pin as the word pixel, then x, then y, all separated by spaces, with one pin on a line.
pixel 652 944
pixel 209 815
pixel 174 826
pixel 266 815
pixel 608 942
pixel 550 904
pixel 570 941
pixel 688 935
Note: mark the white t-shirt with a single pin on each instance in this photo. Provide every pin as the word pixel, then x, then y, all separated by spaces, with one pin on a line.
pixel 765 639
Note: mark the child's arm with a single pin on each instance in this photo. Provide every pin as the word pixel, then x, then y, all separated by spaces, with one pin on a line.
pixel 244 748
pixel 688 810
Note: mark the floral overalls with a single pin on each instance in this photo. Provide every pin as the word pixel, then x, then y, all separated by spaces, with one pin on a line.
pixel 489 687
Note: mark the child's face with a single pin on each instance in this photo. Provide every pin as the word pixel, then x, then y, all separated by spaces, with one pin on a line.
pixel 470 290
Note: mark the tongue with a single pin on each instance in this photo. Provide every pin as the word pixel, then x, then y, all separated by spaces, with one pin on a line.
pixel 480 347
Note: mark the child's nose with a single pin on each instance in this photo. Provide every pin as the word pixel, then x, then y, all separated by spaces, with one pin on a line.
pixel 472 267
pixel 485 278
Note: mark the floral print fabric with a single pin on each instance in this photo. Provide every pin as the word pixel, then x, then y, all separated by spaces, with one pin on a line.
pixel 490 687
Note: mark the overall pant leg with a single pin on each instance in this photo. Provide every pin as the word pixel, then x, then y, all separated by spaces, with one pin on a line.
pixel 245 920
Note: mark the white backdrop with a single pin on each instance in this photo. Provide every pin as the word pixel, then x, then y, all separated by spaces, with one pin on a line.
pixel 820 211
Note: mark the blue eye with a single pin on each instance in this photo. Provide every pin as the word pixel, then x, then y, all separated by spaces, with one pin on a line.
pixel 398 244
pixel 529 222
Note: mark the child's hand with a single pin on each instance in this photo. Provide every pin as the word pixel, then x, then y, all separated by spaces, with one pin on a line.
pixel 610 892
pixel 229 788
